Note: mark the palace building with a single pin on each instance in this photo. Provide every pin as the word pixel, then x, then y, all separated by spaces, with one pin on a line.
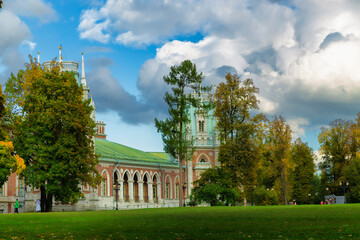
pixel 132 178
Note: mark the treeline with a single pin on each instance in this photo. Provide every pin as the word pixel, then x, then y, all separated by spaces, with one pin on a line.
pixel 260 162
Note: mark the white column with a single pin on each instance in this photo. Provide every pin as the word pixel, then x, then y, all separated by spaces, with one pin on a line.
pixel 159 191
pixel 150 192
pixel 131 191
pixel 141 191
pixel 121 191
pixel 189 177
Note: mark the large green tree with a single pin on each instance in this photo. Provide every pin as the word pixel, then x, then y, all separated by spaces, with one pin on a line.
pixel 337 147
pixel 183 79
pixel 239 149
pixel 55 133
pixel 277 153
pixel 303 174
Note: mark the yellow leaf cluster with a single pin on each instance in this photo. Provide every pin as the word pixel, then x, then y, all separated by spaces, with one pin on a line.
pixel 13 162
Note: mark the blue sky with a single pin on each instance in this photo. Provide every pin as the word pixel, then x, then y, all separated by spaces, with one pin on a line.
pixel 302 54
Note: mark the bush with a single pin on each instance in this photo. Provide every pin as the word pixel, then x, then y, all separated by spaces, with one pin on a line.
pixel 264 197
pixel 214 188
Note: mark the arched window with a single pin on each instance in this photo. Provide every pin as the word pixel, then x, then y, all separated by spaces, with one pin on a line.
pixel 155 188
pixel 126 187
pixel 103 187
pixel 167 188
pixel 177 188
pixel 201 126
pixel 104 184
pixel 202 160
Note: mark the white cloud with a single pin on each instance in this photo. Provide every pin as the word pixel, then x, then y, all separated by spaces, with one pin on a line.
pixel 32 8
pixel 92 30
pixel 303 56
pixel 13 33
pixel 318 157
pixel 13 30
pixel 298 126
pixel 30 44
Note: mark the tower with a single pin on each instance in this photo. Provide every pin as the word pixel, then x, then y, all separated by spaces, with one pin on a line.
pixel 202 130
pixel 86 89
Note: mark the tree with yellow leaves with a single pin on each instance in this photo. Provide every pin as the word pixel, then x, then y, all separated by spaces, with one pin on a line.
pixel 53 132
pixel 9 161
pixel 277 155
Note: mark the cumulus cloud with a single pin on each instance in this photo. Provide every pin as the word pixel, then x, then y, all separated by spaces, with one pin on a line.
pixel 14 32
pixel 302 54
pixel 32 8
pixel 110 95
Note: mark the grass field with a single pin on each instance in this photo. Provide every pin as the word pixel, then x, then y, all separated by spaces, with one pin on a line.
pixel 274 222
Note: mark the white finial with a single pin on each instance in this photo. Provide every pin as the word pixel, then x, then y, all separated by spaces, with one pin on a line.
pixel 60 57
pixel 83 79
pixel 38 58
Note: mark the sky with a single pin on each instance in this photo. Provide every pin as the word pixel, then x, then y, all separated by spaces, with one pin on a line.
pixel 303 55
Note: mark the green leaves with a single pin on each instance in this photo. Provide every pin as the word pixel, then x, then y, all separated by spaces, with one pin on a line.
pixel 55 133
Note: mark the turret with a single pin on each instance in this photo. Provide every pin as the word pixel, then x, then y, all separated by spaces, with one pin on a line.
pixel 100 130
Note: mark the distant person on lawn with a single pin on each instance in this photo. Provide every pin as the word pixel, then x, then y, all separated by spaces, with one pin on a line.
pixel 16 206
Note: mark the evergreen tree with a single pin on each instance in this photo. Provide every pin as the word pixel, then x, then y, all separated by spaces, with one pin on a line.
pixel 182 79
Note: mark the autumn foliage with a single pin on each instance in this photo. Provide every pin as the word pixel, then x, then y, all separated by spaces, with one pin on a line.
pixel 53 132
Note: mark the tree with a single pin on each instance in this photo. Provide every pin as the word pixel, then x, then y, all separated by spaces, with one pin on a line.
pixel 215 188
pixel 9 161
pixel 277 153
pixel 303 173
pixel 55 134
pixel 238 131
pixel 233 101
pixel 183 78
pixel 336 146
pixel 352 177
pixel 1 2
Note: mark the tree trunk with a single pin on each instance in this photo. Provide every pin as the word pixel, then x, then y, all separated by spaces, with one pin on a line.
pixel 284 186
pixel 43 198
pixel 49 200
pixel 180 183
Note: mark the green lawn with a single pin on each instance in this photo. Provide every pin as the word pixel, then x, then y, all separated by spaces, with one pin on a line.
pixel 277 222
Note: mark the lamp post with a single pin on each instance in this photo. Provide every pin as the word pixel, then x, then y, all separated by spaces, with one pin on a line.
pixel 116 189
pixel 309 195
pixel 344 186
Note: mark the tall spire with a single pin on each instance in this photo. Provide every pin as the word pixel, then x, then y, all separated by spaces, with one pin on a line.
pixel 60 57
pixel 38 60
pixel 83 79
pixel 86 90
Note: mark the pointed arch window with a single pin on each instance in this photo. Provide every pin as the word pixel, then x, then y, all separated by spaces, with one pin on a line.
pixel 103 187
pixel 201 126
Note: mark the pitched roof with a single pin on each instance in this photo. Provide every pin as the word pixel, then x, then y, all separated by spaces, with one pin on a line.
pixel 115 152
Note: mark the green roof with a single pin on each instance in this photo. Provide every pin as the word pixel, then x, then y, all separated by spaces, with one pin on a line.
pixel 115 152
pixel 162 155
